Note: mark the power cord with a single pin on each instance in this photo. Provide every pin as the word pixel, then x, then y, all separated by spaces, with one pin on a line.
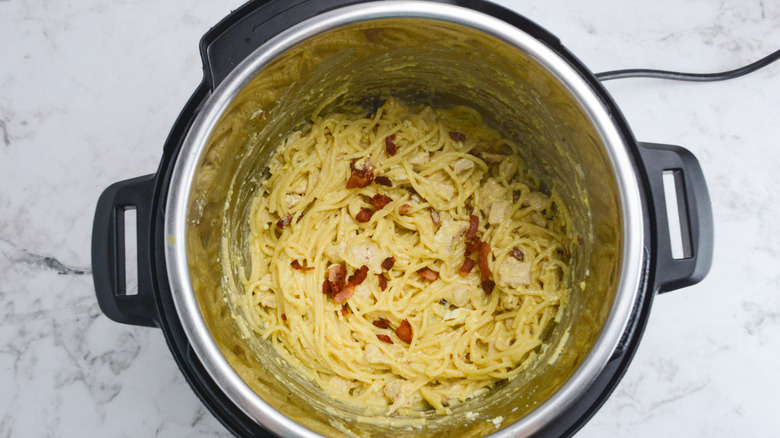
pixel 692 77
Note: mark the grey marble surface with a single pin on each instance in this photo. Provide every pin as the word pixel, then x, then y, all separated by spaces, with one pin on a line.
pixel 90 89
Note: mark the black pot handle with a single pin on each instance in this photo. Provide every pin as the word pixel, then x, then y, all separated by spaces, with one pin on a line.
pixel 108 252
pixel 695 211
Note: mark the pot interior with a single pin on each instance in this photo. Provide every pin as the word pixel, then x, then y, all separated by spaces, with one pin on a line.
pixel 419 61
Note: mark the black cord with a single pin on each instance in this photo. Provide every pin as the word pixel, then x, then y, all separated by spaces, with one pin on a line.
pixel 693 77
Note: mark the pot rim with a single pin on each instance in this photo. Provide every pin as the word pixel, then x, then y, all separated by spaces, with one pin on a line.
pixel 178 200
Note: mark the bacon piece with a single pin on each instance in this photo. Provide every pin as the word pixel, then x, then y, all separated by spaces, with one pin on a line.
pixel 488 286
pixel 484 251
pixel 364 215
pixel 404 332
pixel 468 265
pixel 344 310
pixel 435 217
pixel 428 274
pixel 296 265
pixel 517 253
pixel 380 201
pixel 337 276
pixel 284 317
pixel 283 222
pixel 404 209
pixel 385 339
pixel 360 177
pixel 388 263
pixel 473 227
pixel 390 146
pixel 472 246
pixel 345 294
pixel 381 323
pixel 382 281
pixel 457 136
pixel 384 181
pixel 358 276
pixel 326 288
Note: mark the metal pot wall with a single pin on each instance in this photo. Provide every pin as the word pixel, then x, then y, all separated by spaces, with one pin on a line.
pixel 291 58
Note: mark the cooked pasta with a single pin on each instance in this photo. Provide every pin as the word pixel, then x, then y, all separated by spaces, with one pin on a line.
pixel 406 260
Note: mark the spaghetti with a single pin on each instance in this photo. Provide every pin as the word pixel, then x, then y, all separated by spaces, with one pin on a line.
pixel 406 260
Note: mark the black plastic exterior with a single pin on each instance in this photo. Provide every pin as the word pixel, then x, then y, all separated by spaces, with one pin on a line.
pixel 222 48
pixel 108 252
pixel 696 215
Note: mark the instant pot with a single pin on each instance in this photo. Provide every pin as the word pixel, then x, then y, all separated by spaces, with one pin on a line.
pixel 271 64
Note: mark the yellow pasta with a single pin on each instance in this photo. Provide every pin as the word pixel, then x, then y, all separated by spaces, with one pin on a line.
pixel 427 334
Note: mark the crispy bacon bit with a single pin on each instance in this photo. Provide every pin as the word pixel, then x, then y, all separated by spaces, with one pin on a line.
pixel 359 276
pixel 380 201
pixel 484 251
pixel 283 222
pixel 390 146
pixel 472 246
pixel 404 209
pixel 382 281
pixel 468 265
pixel 517 253
pixel 428 274
pixel 344 310
pixel 488 286
pixel 388 263
pixel 435 217
pixel 284 317
pixel 384 338
pixel 326 288
pixel 457 136
pixel 345 294
pixel 364 215
pixel 473 227
pixel 384 181
pixel 296 265
pixel 404 332
pixel 360 177
pixel 337 276
pixel 381 323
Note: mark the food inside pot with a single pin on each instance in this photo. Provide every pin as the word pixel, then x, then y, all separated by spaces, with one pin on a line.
pixel 285 184
pixel 405 260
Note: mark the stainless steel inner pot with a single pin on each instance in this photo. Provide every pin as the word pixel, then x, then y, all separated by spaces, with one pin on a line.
pixel 423 53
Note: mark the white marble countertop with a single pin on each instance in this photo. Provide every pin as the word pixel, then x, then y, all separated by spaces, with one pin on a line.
pixel 90 89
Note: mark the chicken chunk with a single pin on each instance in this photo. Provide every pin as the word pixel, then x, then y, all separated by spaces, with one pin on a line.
pixel 373 354
pixel 363 251
pixel 462 165
pixel 340 384
pixel 498 211
pixel 449 233
pixel 459 294
pixel 490 191
pixel 513 273
pixel 267 299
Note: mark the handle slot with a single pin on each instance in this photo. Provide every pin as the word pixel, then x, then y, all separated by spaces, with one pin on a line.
pixel 130 266
pixel 677 214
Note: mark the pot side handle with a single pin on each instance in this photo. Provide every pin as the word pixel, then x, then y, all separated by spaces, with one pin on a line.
pixel 695 210
pixel 108 252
